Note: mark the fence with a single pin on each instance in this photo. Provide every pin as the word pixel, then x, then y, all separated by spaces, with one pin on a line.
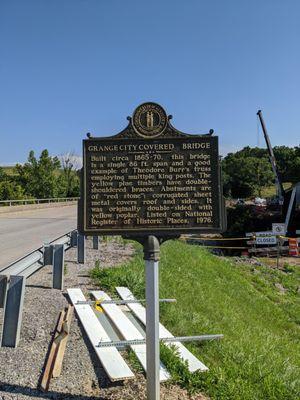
pixel 239 243
pixel 281 248
pixel 243 245
pixel 12 202
pixel 13 279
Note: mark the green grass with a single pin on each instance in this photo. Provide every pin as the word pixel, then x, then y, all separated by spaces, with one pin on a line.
pixel 259 355
pixel 270 191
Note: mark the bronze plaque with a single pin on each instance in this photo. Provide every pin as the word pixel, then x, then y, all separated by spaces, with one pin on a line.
pixel 151 179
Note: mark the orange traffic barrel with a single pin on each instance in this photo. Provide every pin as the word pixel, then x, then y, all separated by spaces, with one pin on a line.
pixel 293 247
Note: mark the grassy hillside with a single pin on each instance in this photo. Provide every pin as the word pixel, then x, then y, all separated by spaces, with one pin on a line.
pixel 270 191
pixel 259 355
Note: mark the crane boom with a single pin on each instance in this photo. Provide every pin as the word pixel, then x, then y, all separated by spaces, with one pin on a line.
pixel 278 183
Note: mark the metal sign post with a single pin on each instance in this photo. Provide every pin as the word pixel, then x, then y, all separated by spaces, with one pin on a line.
pixel 278 250
pixel 151 256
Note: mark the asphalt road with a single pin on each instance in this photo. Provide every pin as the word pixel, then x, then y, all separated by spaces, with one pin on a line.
pixel 24 231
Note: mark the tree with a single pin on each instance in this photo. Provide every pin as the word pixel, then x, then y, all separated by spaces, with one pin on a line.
pixel 262 174
pixel 285 159
pixel 10 190
pixel 246 172
pixel 39 177
pixel 69 179
pixel 3 174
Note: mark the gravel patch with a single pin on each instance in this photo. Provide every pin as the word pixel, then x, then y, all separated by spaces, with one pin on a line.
pixel 82 376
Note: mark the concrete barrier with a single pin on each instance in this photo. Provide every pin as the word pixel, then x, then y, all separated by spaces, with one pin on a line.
pixel 11 209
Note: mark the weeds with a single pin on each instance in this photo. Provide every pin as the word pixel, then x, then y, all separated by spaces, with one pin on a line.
pixel 258 357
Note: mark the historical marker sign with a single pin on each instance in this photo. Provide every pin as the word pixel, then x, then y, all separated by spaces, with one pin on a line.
pixel 151 179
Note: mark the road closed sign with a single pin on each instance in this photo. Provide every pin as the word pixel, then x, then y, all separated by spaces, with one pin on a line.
pixel 266 240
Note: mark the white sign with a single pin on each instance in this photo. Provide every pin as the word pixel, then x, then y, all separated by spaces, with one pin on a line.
pixel 278 229
pixel 262 233
pixel 266 240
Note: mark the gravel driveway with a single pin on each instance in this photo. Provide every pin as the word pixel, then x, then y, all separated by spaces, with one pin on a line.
pixel 82 375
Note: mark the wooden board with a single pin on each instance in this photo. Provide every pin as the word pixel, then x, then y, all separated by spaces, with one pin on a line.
pixel 47 375
pixel 63 342
pixel 140 312
pixel 110 358
pixel 128 331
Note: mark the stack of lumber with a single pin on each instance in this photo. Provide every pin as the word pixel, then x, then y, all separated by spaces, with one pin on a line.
pixel 140 313
pixel 110 357
pixel 128 331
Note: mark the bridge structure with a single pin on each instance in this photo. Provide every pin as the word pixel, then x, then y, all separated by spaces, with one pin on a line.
pixel 29 240
pixel 23 231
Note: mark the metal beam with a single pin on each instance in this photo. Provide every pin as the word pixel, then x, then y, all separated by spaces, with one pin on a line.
pixel 74 236
pixel 32 269
pixel 290 208
pixel 81 249
pixel 151 256
pixel 13 312
pixel 48 254
pixel 279 187
pixel 95 242
pixel 58 266
pixel 18 267
pixel 124 343
pixel 122 302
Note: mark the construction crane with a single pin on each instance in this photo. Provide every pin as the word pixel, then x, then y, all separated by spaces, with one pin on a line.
pixel 279 187
pixel 289 199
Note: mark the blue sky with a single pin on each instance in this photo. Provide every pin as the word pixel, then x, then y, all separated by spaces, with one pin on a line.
pixel 68 67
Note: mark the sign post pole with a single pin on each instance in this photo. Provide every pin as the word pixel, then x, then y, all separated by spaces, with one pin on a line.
pixel 278 250
pixel 151 256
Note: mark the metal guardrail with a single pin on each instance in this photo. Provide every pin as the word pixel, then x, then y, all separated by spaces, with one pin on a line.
pixel 13 279
pixel 13 202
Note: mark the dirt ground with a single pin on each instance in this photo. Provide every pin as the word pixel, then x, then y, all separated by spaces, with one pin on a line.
pixel 82 375
pixel 272 262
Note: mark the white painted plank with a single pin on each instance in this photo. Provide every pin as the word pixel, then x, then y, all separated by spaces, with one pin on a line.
pixel 110 358
pixel 128 331
pixel 140 312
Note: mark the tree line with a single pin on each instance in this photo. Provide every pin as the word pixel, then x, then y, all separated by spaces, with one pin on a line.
pixel 41 178
pixel 248 171
pixel 245 173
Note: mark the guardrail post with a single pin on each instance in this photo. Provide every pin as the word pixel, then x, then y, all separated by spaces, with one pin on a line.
pixel 95 242
pixel 48 254
pixel 3 290
pixel 13 311
pixel 58 266
pixel 81 249
pixel 74 235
